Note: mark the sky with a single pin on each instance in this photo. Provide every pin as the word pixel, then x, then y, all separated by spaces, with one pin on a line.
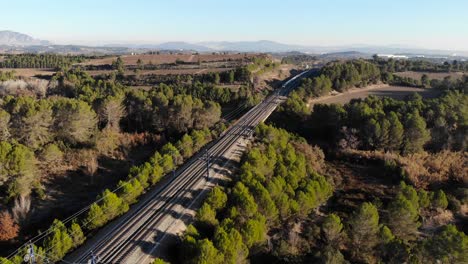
pixel 434 24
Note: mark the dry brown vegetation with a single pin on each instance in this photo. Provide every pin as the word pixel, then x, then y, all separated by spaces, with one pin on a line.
pixel 423 169
pixel 431 75
pixel 8 228
pixel 30 72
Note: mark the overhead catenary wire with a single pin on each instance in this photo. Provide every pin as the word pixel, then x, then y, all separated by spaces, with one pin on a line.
pixel 227 117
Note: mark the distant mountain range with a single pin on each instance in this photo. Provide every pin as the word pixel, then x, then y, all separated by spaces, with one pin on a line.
pixel 11 41
pixel 11 38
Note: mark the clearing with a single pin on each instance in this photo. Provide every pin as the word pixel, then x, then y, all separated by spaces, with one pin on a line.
pixel 381 90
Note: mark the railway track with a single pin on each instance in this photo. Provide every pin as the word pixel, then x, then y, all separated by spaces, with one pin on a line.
pixel 138 225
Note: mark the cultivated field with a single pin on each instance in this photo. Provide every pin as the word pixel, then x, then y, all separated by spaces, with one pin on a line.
pixel 169 58
pixel 396 92
pixel 165 71
pixel 31 72
pixel 432 75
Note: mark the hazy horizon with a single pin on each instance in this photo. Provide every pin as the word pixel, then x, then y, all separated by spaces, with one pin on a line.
pixel 419 24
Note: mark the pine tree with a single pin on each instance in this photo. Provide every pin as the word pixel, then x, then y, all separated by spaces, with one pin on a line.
pixel 403 218
pixel 416 134
pixel 364 226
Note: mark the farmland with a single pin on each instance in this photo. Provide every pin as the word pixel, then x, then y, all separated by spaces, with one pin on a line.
pixel 396 92
pixel 30 72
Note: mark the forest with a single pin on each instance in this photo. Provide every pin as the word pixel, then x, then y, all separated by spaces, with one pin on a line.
pixel 277 186
pixel 377 180
pixel 279 208
pixel 80 124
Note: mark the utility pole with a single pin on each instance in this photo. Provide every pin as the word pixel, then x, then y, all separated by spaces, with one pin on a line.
pixel 30 257
pixel 173 163
pixel 206 158
pixel 94 259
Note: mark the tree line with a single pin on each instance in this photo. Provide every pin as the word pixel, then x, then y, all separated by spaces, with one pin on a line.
pixel 46 60
pixel 403 126
pixel 340 76
pixel 419 65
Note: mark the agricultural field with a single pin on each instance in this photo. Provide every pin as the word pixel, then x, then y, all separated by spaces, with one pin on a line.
pixel 30 72
pixel 395 92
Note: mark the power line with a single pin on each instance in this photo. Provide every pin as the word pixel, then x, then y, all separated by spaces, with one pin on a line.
pixel 37 238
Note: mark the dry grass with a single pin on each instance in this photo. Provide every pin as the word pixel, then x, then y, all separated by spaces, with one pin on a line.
pixel 423 169
pixel 380 90
pixel 29 72
pixel 432 75
pixel 169 58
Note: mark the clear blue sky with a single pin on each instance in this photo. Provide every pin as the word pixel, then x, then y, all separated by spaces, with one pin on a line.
pixel 419 23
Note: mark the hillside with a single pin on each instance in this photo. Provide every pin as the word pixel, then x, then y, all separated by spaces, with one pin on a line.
pixel 12 38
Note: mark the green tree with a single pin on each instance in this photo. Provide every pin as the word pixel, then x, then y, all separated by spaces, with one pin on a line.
pixel 395 132
pixel 231 77
pixel 439 200
pixel 448 246
pixel 51 154
pixel 403 218
pixel 59 242
pixel 244 199
pixel 119 66
pixel 230 244
pixel 112 205
pixel 426 83
pixel 206 214
pixel 18 167
pixel 416 134
pixel 332 229
pixel 207 253
pixel 254 231
pixel 217 198
pixel 185 145
pixel 217 78
pixel 95 217
pixel 76 234
pixel 159 261
pixel 364 228
pixel 331 255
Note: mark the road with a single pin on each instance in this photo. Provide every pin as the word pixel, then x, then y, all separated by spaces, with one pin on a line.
pixel 137 236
